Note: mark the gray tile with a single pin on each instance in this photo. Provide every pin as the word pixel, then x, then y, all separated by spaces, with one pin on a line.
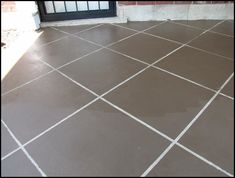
pixel 7 142
pixel 74 29
pixel 179 163
pixel 161 100
pixel 219 44
pixel 212 135
pixel 35 107
pixel 203 24
pixel 98 141
pixel 102 70
pixel 229 88
pixel 64 51
pixel 175 32
pixel 225 28
pixel 26 69
pixel 18 165
pixel 47 35
pixel 106 34
pixel 139 25
pixel 198 66
pixel 145 47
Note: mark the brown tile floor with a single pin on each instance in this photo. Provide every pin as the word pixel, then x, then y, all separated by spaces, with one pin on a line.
pixel 122 100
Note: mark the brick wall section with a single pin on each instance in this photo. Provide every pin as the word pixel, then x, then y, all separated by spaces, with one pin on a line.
pixel 170 2
pixel 8 6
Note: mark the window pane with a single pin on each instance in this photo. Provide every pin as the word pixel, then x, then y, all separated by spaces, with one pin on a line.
pixel 82 5
pixel 70 6
pixel 93 5
pixel 59 6
pixel 49 7
pixel 104 5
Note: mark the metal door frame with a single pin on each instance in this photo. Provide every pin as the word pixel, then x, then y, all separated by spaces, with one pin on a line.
pixel 48 17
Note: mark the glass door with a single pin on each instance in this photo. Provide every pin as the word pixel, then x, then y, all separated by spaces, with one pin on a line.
pixel 68 10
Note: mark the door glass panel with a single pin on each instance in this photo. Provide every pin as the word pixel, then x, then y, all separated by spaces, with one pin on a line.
pixel 82 5
pixel 93 5
pixel 70 6
pixel 59 6
pixel 49 7
pixel 104 5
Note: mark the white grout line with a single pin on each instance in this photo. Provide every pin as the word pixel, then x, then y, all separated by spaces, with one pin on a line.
pixel 9 154
pixel 189 125
pixel 88 28
pixel 61 121
pixel 231 59
pixel 167 39
pixel 24 150
pixel 139 30
pixel 171 145
pixel 146 33
pixel 100 97
pixel 184 79
pixel 102 47
pixel 106 47
pixel 185 130
pixel 200 28
pixel 99 49
pixel 227 96
pixel 70 78
pixel 9 91
pixel 203 159
pixel 45 44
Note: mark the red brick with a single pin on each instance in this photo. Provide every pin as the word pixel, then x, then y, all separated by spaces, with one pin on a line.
pixel 201 2
pixel 8 6
pixel 164 2
pixel 145 2
pixel 219 2
pixel 183 2
pixel 127 2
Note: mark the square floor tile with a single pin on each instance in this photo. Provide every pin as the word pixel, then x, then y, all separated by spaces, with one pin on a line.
pixel 35 107
pixel 26 69
pixel 203 24
pixel 106 34
pixel 98 141
pixel 145 47
pixel 175 32
pixel 139 25
pixel 229 88
pixel 7 142
pixel 203 68
pixel 64 51
pixel 47 35
pixel 212 135
pixel 161 100
pixel 212 42
pixel 74 29
pixel 18 165
pixel 178 162
pixel 102 70
pixel 225 28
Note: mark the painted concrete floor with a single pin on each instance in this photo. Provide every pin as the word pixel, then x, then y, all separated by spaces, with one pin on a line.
pixel 135 99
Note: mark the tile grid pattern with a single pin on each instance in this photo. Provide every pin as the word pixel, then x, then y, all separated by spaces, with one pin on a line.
pixel 54 69
pixel 24 150
pixel 107 47
pixel 181 134
pixel 201 29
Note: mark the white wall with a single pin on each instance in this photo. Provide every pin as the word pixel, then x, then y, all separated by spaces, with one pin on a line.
pixel 159 12
pixel 179 12
pixel 22 18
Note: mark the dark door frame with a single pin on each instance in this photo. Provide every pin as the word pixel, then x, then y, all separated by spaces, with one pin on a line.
pixel 48 17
